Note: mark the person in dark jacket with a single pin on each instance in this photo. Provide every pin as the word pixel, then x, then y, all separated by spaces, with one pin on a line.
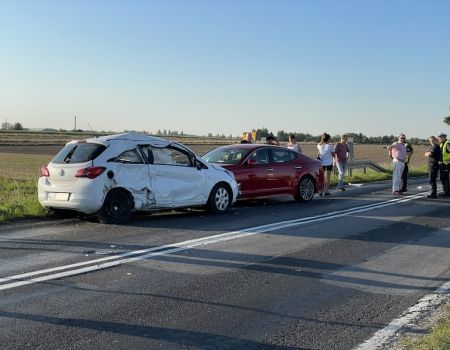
pixel 434 158
pixel 409 152
pixel 445 163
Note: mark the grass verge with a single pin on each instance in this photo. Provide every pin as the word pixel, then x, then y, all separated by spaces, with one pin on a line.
pixel 437 339
pixel 359 176
pixel 18 199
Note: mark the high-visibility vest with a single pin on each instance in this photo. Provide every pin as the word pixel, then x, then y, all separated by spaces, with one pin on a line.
pixel 445 154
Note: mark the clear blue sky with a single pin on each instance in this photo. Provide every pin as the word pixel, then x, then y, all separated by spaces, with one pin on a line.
pixel 376 67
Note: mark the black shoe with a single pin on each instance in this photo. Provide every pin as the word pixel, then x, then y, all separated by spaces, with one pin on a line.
pixel 404 190
pixel 432 196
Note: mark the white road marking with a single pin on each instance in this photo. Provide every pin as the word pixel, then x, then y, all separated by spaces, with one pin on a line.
pixel 384 338
pixel 115 260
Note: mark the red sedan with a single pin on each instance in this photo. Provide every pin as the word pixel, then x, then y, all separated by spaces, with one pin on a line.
pixel 265 170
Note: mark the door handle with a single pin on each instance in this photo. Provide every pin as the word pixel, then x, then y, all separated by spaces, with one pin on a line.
pixel 297 167
pixel 271 169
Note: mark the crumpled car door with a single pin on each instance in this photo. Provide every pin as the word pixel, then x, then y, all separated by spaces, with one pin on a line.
pixel 174 180
pixel 132 173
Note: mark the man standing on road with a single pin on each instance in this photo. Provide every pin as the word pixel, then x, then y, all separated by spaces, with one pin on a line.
pixel 341 154
pixel 445 163
pixel 397 151
pixel 409 152
pixel 434 158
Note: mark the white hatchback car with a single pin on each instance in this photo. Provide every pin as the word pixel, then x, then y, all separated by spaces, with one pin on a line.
pixel 111 176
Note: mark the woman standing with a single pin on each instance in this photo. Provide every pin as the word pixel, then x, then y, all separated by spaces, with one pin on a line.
pixel 326 154
pixel 293 145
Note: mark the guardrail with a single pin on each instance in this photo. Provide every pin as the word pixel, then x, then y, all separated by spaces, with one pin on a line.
pixel 363 164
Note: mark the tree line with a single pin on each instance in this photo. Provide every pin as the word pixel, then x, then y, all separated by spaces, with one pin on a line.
pixel 357 137
pixel 11 126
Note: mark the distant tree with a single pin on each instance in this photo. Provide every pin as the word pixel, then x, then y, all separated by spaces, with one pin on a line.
pixel 282 135
pixel 210 134
pixel 17 126
pixel 447 120
pixel 263 132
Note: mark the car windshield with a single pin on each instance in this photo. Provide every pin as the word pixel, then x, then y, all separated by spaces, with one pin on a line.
pixel 226 155
pixel 78 153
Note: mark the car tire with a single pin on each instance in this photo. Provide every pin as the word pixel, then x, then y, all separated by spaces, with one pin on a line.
pixel 219 200
pixel 116 208
pixel 305 189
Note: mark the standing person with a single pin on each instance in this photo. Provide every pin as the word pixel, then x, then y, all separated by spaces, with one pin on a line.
pixel 341 155
pixel 248 138
pixel 326 154
pixel 272 140
pixel 434 158
pixel 445 163
pixel 409 152
pixel 397 151
pixel 293 145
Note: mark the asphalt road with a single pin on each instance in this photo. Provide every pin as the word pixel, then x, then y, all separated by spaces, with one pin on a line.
pixel 271 274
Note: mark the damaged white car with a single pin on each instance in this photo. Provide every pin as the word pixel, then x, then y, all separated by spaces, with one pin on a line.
pixel 111 176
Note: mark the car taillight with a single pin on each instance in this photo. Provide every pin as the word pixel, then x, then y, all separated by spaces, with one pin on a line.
pixel 91 173
pixel 43 172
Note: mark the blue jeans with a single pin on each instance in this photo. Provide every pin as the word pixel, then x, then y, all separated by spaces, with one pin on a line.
pixel 341 170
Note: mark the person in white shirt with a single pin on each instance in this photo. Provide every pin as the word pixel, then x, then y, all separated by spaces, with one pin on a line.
pixel 293 145
pixel 326 154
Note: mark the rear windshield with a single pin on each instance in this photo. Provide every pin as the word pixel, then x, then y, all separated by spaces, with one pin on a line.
pixel 78 153
pixel 226 155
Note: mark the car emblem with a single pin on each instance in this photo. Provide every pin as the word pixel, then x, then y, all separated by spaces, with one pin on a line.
pixel 61 172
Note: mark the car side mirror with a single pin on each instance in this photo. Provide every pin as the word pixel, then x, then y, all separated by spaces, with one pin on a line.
pixel 251 162
pixel 198 164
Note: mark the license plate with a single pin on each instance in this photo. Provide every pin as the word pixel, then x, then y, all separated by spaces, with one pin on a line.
pixel 59 196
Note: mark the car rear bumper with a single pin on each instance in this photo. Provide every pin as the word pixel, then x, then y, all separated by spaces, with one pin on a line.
pixel 87 199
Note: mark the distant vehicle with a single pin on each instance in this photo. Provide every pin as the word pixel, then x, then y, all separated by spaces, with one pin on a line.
pixel 111 176
pixel 265 170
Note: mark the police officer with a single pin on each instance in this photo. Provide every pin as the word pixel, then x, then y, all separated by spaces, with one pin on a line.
pixel 445 164
pixel 434 159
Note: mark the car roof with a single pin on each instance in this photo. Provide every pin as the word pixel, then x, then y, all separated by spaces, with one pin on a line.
pixel 130 139
pixel 134 137
pixel 251 146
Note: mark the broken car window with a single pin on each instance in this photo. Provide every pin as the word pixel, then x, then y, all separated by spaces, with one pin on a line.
pixel 171 156
pixel 131 156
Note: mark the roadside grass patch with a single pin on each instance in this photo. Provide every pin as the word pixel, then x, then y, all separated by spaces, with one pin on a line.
pixel 18 186
pixel 18 199
pixel 358 175
pixel 437 339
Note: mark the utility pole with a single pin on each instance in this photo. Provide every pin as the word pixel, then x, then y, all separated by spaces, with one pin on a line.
pixel 75 129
